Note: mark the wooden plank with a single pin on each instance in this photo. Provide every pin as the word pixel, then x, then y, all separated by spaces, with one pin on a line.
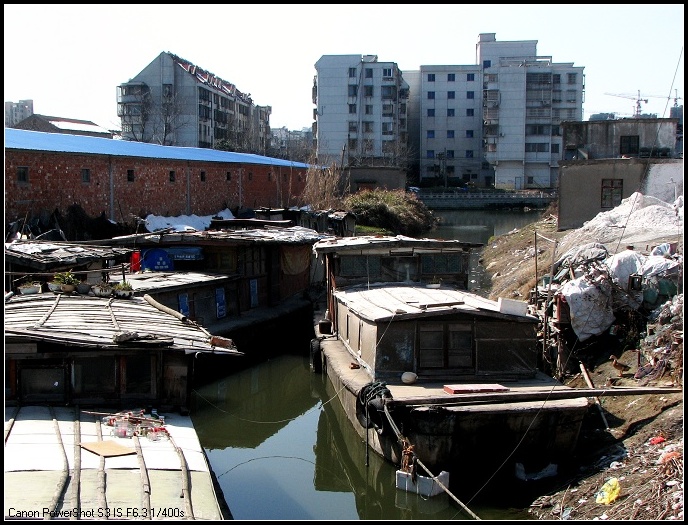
pixel 471 388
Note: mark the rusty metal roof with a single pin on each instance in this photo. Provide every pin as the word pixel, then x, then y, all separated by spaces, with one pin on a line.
pixel 49 255
pixel 367 243
pixel 105 323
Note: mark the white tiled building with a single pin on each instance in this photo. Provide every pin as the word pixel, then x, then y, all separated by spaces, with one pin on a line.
pixel 177 103
pixel 361 111
pixel 495 123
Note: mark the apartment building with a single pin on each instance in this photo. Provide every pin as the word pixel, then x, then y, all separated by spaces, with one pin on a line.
pixel 174 102
pixel 450 125
pixel 361 112
pixel 525 97
pixel 15 112
pixel 495 123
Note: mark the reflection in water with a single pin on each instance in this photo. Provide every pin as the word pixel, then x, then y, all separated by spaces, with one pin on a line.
pixel 480 225
pixel 282 448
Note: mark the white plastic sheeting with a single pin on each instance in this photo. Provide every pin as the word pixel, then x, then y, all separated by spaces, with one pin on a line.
pixel 590 306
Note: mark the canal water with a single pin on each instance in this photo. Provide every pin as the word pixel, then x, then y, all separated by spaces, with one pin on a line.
pixel 281 447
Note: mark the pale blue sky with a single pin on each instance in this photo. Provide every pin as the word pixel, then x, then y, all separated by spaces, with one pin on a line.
pixel 69 59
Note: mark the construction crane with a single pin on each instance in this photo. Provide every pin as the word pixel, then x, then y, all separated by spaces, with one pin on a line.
pixel 637 99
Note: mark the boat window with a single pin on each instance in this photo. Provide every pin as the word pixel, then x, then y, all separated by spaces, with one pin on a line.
pixel 446 345
pixel 138 374
pixel 359 265
pixel 433 264
pixel 92 375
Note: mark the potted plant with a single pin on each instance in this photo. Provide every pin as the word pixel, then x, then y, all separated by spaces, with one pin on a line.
pixel 123 290
pixel 67 281
pixel 83 288
pixel 102 289
pixel 30 287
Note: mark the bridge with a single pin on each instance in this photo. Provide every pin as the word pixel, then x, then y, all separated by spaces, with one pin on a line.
pixel 488 200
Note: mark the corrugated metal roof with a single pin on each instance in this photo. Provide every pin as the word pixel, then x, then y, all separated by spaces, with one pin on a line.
pixel 94 322
pixel 66 143
pixel 52 254
pixel 366 243
pixel 381 302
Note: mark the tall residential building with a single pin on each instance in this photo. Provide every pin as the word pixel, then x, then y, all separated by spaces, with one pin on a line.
pixel 176 103
pixel 361 112
pixel 15 112
pixel 496 123
pixel 450 117
pixel 525 98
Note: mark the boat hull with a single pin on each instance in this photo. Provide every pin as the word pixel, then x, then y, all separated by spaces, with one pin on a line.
pixel 446 434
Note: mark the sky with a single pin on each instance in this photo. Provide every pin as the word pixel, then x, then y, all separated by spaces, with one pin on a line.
pixel 70 58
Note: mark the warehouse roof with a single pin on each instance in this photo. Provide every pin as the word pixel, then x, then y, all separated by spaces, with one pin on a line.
pixel 66 143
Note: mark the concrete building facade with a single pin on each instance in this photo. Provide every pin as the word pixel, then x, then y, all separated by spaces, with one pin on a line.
pixel 174 102
pixel 15 112
pixel 361 112
pixel 525 97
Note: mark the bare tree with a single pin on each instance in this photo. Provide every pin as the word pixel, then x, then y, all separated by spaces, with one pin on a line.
pixel 325 188
pixel 167 118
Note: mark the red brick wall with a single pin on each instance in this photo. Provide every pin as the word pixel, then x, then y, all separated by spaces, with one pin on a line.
pixel 55 182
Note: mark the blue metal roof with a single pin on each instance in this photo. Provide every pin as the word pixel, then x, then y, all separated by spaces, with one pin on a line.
pixel 65 143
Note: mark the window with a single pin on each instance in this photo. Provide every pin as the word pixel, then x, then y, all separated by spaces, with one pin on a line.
pixel 451 112
pixel 450 133
pixel 629 145
pixel 470 112
pixel 130 175
pixel 470 77
pixel 431 77
pixel 530 180
pixel 250 176
pixel 450 154
pixel 431 95
pixel 229 176
pixel 431 112
pixel 537 129
pixel 368 72
pixel 353 127
pixel 387 110
pixel 469 133
pixel 369 109
pixel 487 63
pixel 22 174
pixel 353 90
pixel 389 93
pixel 388 128
pixel 570 95
pixel 85 175
pixel 537 147
pixel 445 345
pixel 353 144
pixel 555 148
pixel 431 134
pixel 556 78
pixel 469 153
pixel 368 91
pixel 387 72
pixel 352 108
pixel 172 176
pixel 202 176
pixel 352 72
pixel 94 375
pixel 470 94
pixel 367 127
pixel 556 131
pixel 451 94
pixel 451 77
pixel 612 192
pixel 571 77
pixel 430 154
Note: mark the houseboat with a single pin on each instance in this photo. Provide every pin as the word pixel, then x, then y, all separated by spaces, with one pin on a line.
pixel 249 284
pixel 430 374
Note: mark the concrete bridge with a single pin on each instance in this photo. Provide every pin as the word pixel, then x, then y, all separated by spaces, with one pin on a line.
pixel 463 200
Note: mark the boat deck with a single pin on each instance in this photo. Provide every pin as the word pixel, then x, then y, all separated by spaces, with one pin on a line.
pixel 51 470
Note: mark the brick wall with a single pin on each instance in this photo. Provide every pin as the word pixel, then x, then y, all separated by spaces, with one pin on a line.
pixel 55 182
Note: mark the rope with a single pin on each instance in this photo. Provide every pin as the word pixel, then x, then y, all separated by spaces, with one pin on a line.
pixel 435 479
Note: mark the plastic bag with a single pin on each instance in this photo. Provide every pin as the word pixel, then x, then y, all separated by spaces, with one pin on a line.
pixel 609 491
